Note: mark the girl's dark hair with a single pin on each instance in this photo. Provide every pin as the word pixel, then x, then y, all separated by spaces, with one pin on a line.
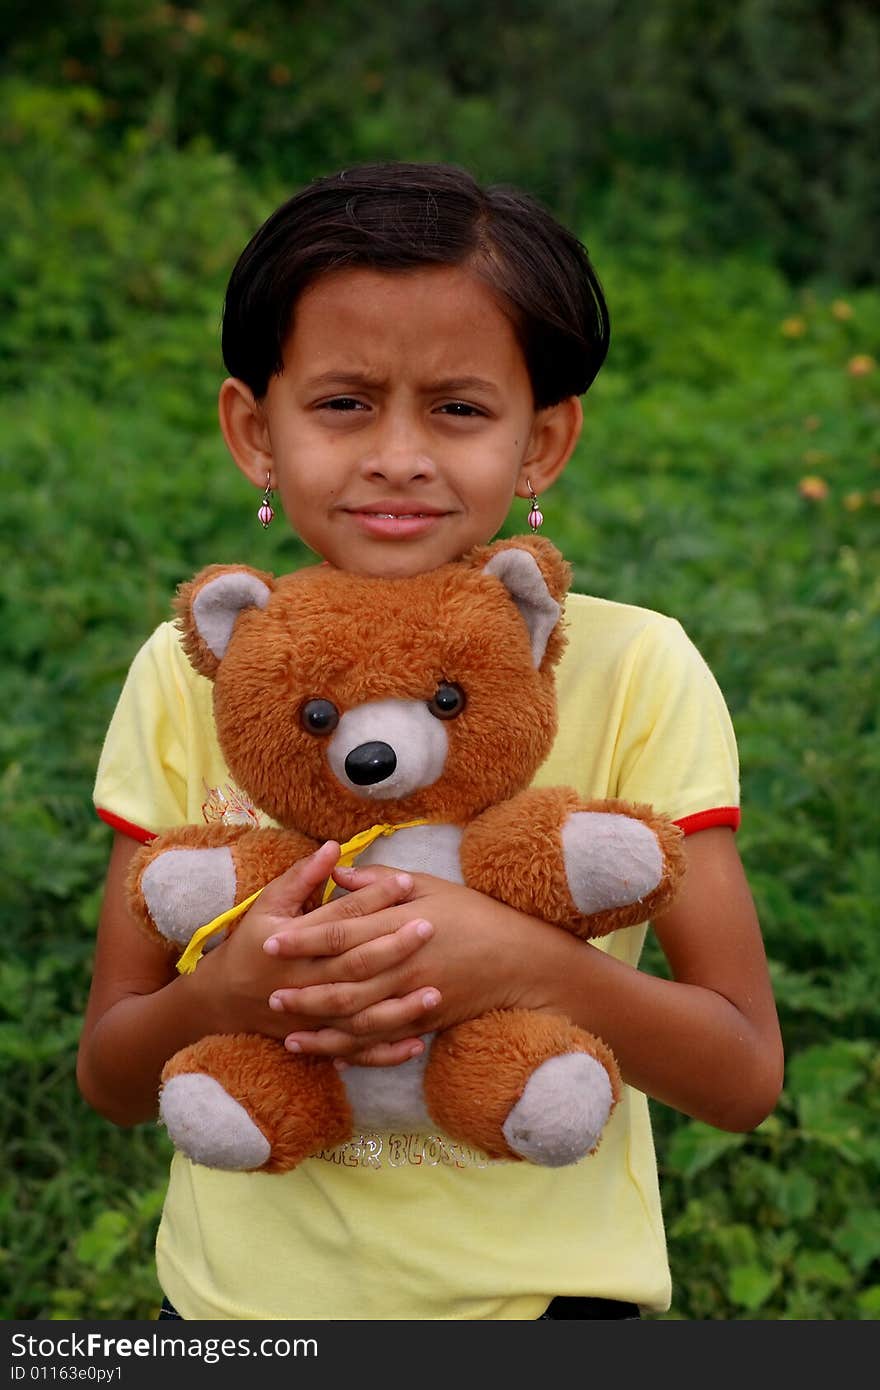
pixel 402 216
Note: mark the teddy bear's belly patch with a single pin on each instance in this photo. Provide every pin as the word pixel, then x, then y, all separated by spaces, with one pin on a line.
pixel 392 1098
pixel 425 849
pixel 386 1099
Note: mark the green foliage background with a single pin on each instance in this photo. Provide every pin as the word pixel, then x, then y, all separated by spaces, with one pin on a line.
pixel 717 161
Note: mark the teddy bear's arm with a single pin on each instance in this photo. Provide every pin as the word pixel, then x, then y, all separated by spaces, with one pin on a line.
pixel 589 866
pixel 185 878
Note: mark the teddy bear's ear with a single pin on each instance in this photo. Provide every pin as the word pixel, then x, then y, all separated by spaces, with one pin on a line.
pixel 208 606
pixel 536 577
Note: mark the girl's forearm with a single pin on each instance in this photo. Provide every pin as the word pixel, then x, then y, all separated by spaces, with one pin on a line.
pixel 683 1044
pixel 120 1061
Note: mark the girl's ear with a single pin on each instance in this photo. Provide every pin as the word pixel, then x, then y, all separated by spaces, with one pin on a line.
pixel 555 433
pixel 245 431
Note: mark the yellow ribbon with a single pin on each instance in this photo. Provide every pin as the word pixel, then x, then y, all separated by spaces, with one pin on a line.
pixel 348 853
pixel 193 953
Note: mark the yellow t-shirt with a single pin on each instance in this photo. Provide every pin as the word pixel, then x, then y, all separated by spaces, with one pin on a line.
pixel 413 1226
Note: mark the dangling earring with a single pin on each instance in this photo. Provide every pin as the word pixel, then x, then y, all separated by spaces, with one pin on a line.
pixel 265 514
pixel 536 516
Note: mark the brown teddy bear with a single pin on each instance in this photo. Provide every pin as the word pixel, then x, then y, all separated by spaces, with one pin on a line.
pixel 344 702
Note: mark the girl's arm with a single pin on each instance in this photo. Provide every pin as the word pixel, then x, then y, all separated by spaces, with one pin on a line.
pixel 706 1042
pixel 141 1011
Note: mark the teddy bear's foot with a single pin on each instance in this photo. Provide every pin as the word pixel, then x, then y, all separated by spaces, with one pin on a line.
pixel 562 1111
pixel 240 1101
pixel 522 1085
pixel 610 860
pixel 207 1125
pixel 186 888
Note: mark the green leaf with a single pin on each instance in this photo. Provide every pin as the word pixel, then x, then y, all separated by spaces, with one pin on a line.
pixel 800 992
pixel 750 1285
pixel 859 1237
pixel 795 1193
pixel 104 1241
pixel 838 1125
pixel 868 1302
pixel 149 1204
pixel 832 1070
pixel 696 1146
pixel 822 1267
pixel 737 1243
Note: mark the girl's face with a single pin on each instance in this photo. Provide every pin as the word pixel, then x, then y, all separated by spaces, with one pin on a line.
pixel 402 423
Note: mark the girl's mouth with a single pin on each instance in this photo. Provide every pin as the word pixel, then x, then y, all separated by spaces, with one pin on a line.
pixel 396 525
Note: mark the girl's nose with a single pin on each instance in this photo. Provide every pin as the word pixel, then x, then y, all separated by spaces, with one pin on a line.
pixel 399 456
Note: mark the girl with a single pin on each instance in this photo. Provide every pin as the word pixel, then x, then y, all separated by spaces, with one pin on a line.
pixel 407 352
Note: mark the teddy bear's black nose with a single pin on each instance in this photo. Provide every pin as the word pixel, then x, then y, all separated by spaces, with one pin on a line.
pixel 369 763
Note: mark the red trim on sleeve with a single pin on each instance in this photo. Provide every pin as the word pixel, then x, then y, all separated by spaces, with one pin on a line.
pixel 135 832
pixel 704 820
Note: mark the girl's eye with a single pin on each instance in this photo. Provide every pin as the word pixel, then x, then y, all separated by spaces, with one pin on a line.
pixel 448 701
pixel 342 403
pixel 461 409
pixel 318 717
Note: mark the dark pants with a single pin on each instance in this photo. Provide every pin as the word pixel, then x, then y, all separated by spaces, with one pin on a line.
pixel 592 1308
pixel 582 1308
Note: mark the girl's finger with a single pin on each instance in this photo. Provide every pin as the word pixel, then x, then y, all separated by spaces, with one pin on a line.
pixel 336 927
pixel 353 876
pixel 339 1046
pixel 384 1054
pixel 377 1022
pixel 286 895
pixel 366 962
pixel 342 999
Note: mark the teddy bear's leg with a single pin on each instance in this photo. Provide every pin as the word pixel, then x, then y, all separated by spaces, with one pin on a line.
pixel 519 1084
pixel 186 878
pixel 242 1102
pixel 591 866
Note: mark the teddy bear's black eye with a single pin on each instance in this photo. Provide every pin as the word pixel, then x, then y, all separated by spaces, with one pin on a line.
pixel 319 716
pixel 449 701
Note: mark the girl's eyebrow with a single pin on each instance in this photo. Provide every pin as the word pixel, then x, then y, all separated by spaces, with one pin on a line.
pixel 453 384
pixel 340 377
pixel 444 386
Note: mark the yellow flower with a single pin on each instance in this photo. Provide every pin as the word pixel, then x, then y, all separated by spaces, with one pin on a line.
pixel 812 423
pixel 854 501
pixel 860 365
pixel 793 327
pixel 813 488
pixel 841 310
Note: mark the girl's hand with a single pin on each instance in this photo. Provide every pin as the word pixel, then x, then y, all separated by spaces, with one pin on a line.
pixel 348 946
pixel 477 958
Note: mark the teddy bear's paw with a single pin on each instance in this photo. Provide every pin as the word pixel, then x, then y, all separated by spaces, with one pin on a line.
pixel 206 1124
pixel 611 860
pixel 184 889
pixel 562 1111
